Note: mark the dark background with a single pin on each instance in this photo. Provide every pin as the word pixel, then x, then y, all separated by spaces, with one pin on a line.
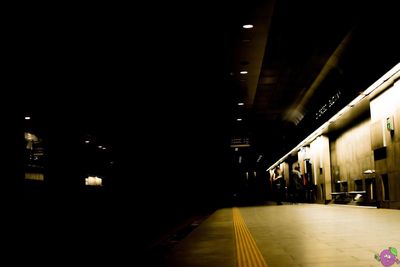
pixel 145 81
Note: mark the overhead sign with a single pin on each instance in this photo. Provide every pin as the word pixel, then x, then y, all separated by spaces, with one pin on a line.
pixel 240 142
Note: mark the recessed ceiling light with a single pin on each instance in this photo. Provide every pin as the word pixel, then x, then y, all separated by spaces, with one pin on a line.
pixel 243 72
pixel 239 119
pixel 248 26
pixel 240 104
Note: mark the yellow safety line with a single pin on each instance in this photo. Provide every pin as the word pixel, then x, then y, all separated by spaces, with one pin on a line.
pixel 248 254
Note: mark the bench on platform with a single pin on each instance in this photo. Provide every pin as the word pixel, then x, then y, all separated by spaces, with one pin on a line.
pixel 357 194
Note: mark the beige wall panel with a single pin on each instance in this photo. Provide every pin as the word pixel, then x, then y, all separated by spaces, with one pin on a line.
pixel 386 103
pixel 396 123
pixel 391 157
pixel 353 153
pixel 286 172
pixel 321 159
pixel 396 149
pixel 377 135
pixel 367 162
pixel 380 166
pixel 326 167
pixel 394 184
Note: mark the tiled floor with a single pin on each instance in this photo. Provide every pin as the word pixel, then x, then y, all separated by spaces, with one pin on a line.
pixel 294 235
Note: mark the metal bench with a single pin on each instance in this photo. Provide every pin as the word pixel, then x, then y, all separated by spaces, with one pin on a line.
pixel 357 194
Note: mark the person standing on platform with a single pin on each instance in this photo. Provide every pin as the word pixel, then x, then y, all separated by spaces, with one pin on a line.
pixel 297 178
pixel 278 185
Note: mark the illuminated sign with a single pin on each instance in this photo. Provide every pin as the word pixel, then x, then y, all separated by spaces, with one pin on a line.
pixel 240 142
pixel 332 100
pixel 389 123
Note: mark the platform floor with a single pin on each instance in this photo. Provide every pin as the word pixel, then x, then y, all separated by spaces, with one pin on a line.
pixel 303 235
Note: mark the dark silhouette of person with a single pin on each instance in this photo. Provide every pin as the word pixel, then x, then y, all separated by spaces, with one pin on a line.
pixel 278 185
pixel 298 187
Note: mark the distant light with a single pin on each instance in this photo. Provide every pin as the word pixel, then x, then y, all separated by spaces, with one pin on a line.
pixel 239 119
pixel 87 141
pixel 244 72
pixel 240 104
pixel 30 137
pixel 100 147
pixel 248 26
pixel 27 118
pixel 34 176
pixel 236 149
pixel 104 148
pixel 93 181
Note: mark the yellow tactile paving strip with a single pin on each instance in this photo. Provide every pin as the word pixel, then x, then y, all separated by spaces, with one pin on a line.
pixel 247 252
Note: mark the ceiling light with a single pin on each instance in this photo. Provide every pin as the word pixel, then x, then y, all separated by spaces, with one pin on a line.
pixel 27 118
pixel 248 26
pixel 243 72
pixel 240 104
pixel 239 119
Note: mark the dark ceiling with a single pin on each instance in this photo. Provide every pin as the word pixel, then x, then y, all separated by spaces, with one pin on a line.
pixel 157 80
